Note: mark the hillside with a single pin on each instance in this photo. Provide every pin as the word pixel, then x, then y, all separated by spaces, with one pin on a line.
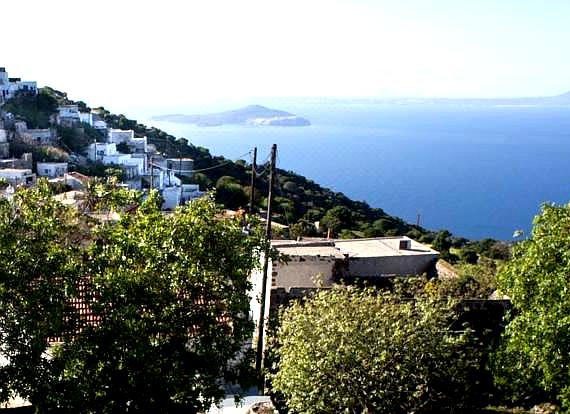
pixel 307 208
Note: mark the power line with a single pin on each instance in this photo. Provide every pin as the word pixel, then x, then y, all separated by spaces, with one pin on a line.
pixel 201 169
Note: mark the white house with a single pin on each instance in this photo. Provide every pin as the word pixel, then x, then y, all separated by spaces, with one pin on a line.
pixel 107 154
pixel 52 169
pixel 92 119
pixel 68 115
pixel 137 145
pixel 4 145
pixel 69 111
pixel 120 135
pixel 86 118
pixel 170 198
pixel 190 192
pixel 181 166
pixel 18 176
pixel 10 86
pixel 98 150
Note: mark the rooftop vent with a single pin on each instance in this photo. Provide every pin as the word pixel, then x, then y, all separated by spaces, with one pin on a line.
pixel 405 244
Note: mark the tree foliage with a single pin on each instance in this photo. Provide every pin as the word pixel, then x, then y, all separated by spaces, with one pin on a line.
pixel 534 357
pixel 362 351
pixel 167 295
pixel 36 110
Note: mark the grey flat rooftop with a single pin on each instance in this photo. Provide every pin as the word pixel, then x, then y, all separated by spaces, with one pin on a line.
pixel 375 247
pixel 21 171
pixel 384 246
pixel 324 251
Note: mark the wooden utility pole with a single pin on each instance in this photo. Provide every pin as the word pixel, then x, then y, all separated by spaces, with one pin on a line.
pixel 261 323
pixel 253 174
pixel 151 174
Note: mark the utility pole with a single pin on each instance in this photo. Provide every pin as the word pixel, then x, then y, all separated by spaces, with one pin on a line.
pixel 253 173
pixel 261 325
pixel 151 174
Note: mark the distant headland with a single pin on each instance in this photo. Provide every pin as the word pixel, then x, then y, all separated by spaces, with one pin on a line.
pixel 249 115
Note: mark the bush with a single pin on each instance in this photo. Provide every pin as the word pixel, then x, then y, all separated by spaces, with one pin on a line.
pixel 361 351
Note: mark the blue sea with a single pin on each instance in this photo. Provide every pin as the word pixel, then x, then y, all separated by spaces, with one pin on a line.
pixel 476 171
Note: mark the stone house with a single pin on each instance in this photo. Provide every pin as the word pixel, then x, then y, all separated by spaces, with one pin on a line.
pixel 39 137
pixel 321 263
pixel 332 260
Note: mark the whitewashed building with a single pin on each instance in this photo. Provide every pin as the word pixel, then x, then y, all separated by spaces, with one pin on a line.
pixel 9 87
pixel 18 176
pixel 120 135
pixel 68 115
pixel 107 153
pixel 4 144
pixel 181 166
pixel 51 169
pixel 93 120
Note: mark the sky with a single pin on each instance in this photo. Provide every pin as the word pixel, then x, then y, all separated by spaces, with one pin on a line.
pixel 123 53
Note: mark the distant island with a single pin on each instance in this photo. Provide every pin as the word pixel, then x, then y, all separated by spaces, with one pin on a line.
pixel 249 115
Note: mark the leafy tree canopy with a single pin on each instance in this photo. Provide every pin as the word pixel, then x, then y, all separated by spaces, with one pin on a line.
pixel 534 359
pixel 167 298
pixel 362 351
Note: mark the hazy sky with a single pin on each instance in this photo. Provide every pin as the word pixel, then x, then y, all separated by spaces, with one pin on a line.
pixel 168 52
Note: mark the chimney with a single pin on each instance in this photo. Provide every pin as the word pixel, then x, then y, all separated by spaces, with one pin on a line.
pixel 405 244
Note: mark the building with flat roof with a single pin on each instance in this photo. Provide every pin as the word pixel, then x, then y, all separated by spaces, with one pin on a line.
pixel 9 87
pixel 329 261
pixel 309 265
pixel 51 169
pixel 18 176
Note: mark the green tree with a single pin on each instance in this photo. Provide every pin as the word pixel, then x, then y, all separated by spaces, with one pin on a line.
pixel 40 244
pixel 123 147
pixel 338 218
pixel 534 357
pixel 230 193
pixel 167 297
pixel 442 241
pixel 363 351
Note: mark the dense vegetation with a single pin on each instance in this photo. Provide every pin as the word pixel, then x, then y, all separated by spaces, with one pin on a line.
pixel 533 362
pixel 168 298
pixel 364 351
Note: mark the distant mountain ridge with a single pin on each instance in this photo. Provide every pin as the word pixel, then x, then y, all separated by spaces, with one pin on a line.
pixel 248 115
pixel 556 100
pixel 563 99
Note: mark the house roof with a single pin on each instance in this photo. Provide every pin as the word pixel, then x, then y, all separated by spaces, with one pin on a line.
pixel 373 247
pixel 383 246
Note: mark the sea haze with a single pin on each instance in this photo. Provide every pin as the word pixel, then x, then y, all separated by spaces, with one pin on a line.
pixel 479 171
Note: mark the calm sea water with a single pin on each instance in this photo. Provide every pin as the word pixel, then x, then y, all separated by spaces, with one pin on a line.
pixel 479 172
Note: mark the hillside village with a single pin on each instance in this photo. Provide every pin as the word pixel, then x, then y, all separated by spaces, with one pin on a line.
pixel 140 164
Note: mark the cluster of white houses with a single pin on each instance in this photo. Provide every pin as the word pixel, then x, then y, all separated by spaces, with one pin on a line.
pixel 9 87
pixel 142 165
